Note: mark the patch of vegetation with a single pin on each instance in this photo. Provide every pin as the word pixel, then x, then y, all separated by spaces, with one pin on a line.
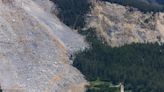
pixel 139 66
pixel 101 86
pixel 72 12
pixel 142 5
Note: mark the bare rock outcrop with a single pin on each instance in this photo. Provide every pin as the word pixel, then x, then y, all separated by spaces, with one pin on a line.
pixel 34 48
pixel 120 25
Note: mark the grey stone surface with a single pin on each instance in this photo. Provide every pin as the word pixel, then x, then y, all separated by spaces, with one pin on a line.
pixel 34 47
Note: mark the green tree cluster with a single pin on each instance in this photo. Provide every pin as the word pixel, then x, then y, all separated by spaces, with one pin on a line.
pixel 139 66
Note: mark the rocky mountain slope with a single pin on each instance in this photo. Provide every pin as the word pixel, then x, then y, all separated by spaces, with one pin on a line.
pixel 120 25
pixel 35 48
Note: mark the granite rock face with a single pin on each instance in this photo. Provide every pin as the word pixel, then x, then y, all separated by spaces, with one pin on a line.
pixel 35 48
pixel 120 25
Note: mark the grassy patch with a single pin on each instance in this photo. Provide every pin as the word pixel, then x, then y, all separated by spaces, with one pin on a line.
pixel 101 86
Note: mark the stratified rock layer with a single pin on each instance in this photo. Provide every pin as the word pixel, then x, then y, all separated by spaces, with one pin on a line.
pixel 34 48
pixel 120 25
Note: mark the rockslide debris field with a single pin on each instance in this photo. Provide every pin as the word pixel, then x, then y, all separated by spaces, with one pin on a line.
pixel 35 48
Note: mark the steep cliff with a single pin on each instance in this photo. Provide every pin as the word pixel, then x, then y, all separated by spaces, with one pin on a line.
pixel 120 25
pixel 35 48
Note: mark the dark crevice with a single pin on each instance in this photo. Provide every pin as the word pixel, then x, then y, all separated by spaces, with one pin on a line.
pixel 0 89
pixel 72 12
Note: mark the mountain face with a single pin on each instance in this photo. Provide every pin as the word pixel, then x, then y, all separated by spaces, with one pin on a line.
pixel 152 1
pixel 157 1
pixel 120 25
pixel 142 5
pixel 35 48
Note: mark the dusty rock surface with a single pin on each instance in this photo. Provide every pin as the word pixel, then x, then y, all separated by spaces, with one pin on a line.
pixel 34 49
pixel 120 25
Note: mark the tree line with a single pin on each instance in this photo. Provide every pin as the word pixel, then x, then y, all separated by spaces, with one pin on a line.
pixel 139 66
